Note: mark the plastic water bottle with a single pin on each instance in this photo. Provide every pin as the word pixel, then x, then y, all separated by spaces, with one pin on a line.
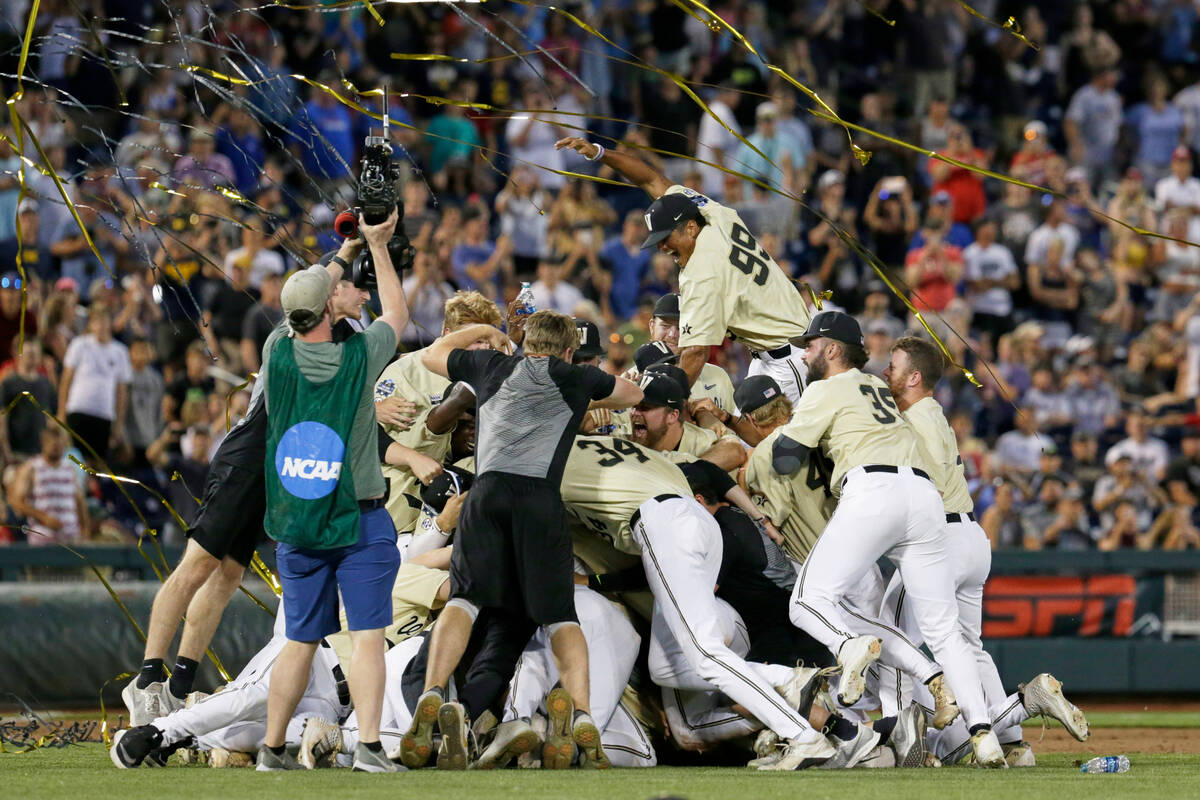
pixel 1105 764
pixel 524 302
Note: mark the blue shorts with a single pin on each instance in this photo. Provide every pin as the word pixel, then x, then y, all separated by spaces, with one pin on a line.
pixel 365 572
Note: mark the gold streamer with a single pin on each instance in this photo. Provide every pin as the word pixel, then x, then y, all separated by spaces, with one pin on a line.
pixel 104 711
pixel 1010 26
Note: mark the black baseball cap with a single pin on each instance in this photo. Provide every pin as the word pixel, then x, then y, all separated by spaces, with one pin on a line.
pixel 653 353
pixel 662 390
pixel 667 306
pixel 453 480
pixel 755 392
pixel 666 214
pixel 836 325
pixel 589 340
pixel 674 373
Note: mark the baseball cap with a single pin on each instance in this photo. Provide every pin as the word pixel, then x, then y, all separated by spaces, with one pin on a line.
pixel 755 392
pixel 662 391
pixel 28 204
pixel 453 480
pixel 829 178
pixel 767 110
pixel 653 353
pixel 878 326
pixel 306 291
pixel 667 306
pixel 1181 153
pixel 1035 129
pixel 589 339
pixel 836 325
pixel 674 373
pixel 667 213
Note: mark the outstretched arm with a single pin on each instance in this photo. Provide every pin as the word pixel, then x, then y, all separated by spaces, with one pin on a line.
pixel 633 168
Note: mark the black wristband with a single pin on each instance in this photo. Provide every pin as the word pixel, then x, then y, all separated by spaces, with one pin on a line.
pixel 339 260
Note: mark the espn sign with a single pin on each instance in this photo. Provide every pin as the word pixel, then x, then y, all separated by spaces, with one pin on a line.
pixel 1093 605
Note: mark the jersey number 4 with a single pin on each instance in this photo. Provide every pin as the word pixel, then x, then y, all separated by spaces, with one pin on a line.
pixel 613 455
pixel 747 256
pixel 881 400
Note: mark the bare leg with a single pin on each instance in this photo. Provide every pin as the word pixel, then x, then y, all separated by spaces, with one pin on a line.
pixel 207 606
pixel 451 633
pixel 367 677
pixel 174 597
pixel 289 679
pixel 571 658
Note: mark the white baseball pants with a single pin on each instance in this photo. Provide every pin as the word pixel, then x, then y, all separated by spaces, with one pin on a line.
pixel 790 372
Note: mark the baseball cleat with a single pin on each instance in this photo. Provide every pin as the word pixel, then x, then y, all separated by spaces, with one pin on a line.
pixel 945 707
pixel 558 749
pixel 799 755
pixel 854 657
pixel 452 721
pixel 416 746
pixel 145 705
pixel 533 759
pixel 932 761
pixel 269 762
pixel 1019 754
pixel 368 760
pixel 988 753
pixel 848 753
pixel 908 737
pixel 220 758
pixel 766 748
pixel 587 740
pixel 132 746
pixel 512 739
pixel 320 742
pixel 801 689
pixel 1043 696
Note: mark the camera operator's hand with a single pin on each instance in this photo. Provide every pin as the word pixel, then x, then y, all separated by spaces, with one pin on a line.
pixel 378 235
pixel 350 247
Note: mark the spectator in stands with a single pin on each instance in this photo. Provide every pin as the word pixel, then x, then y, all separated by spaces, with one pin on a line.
pixel 964 186
pixel 715 144
pixel 891 217
pixel 628 265
pixel 477 260
pixel 1049 402
pixel 992 276
pixel 186 451
pixel 46 492
pixel 1029 162
pixel 427 291
pixel 1057 519
pixel 203 166
pixel 1159 128
pixel 1084 464
pixel 1018 451
pixel 326 139
pixel 933 271
pixel 531 135
pixel 776 165
pixel 1095 404
pixel 1125 482
pixel 1054 287
pixel 262 318
pixel 194 384
pixel 255 252
pixel 226 313
pixel 877 309
pixel 1093 123
pixel 94 391
pixel 521 206
pixel 1002 522
pixel 1148 454
pixel 144 421
pixel 20 435
pixel 1124 529
pixel 551 290
pixel 34 259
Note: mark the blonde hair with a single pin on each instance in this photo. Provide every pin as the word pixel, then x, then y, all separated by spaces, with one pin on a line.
pixel 775 412
pixel 549 333
pixel 470 308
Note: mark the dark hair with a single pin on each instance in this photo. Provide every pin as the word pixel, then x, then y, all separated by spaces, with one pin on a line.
pixel 924 357
pixel 854 354
pixel 701 486
pixel 302 320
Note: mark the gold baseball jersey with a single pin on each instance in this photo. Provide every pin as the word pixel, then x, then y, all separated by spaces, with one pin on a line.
pixel 731 285
pixel 939 447
pixel 853 418
pixel 799 504
pixel 714 384
pixel 413 597
pixel 408 378
pixel 607 479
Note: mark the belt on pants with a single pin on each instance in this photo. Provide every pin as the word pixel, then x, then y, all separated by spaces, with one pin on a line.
pixel 920 473
pixel 967 517
pixel 637 515
pixel 778 352
pixel 370 505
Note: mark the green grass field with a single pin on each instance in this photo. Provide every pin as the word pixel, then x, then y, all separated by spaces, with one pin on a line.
pixel 85 771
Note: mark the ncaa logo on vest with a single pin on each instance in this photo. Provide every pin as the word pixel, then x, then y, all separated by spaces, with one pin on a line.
pixel 308 460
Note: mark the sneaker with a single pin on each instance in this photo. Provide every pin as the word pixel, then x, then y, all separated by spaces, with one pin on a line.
pixel 587 740
pixel 320 742
pixel 558 748
pixel 848 753
pixel 1019 754
pixel 145 705
pixel 854 657
pixel 512 739
pixel 132 746
pixel 766 748
pixel 801 689
pixel 908 737
pixel 368 760
pixel 988 753
pixel 533 759
pixel 945 707
pixel 416 746
pixel 269 762
pixel 799 755
pixel 452 721
pixel 169 703
pixel 220 758
pixel 1043 696
pixel 881 757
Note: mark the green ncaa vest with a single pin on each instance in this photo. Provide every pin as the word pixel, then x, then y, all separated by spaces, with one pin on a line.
pixel 310 487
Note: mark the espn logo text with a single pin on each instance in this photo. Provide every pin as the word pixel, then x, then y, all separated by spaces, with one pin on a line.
pixel 1096 605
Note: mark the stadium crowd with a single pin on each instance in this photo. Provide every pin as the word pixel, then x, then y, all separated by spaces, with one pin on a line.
pixel 1083 330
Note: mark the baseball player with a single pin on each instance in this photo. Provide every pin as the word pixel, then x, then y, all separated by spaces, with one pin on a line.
pixel 640 502
pixel 657 424
pixel 415 457
pixel 888 506
pixel 915 368
pixel 713 382
pixel 728 283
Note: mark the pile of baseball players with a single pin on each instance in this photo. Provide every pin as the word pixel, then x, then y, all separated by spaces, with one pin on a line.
pixel 601 570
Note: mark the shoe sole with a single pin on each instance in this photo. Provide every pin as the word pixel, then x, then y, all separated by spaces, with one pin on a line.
pixel 854 682
pixel 518 746
pixel 915 755
pixel 452 755
pixel 374 768
pixel 558 751
pixel 416 746
pixel 1065 711
pixel 591 751
pixel 114 751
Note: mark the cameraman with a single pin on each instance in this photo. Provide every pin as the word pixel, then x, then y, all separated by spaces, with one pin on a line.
pixel 325 494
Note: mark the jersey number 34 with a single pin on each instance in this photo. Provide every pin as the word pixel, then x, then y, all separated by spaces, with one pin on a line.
pixel 747 256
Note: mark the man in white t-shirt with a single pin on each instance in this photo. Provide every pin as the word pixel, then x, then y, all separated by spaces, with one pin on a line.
pixel 94 391
pixel 1056 226
pixel 717 144
pixel 254 254
pixel 991 274
pixel 1181 189
pixel 1150 455
pixel 550 291
pixel 1019 451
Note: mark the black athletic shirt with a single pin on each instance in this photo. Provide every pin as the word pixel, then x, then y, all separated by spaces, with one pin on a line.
pixel 529 409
